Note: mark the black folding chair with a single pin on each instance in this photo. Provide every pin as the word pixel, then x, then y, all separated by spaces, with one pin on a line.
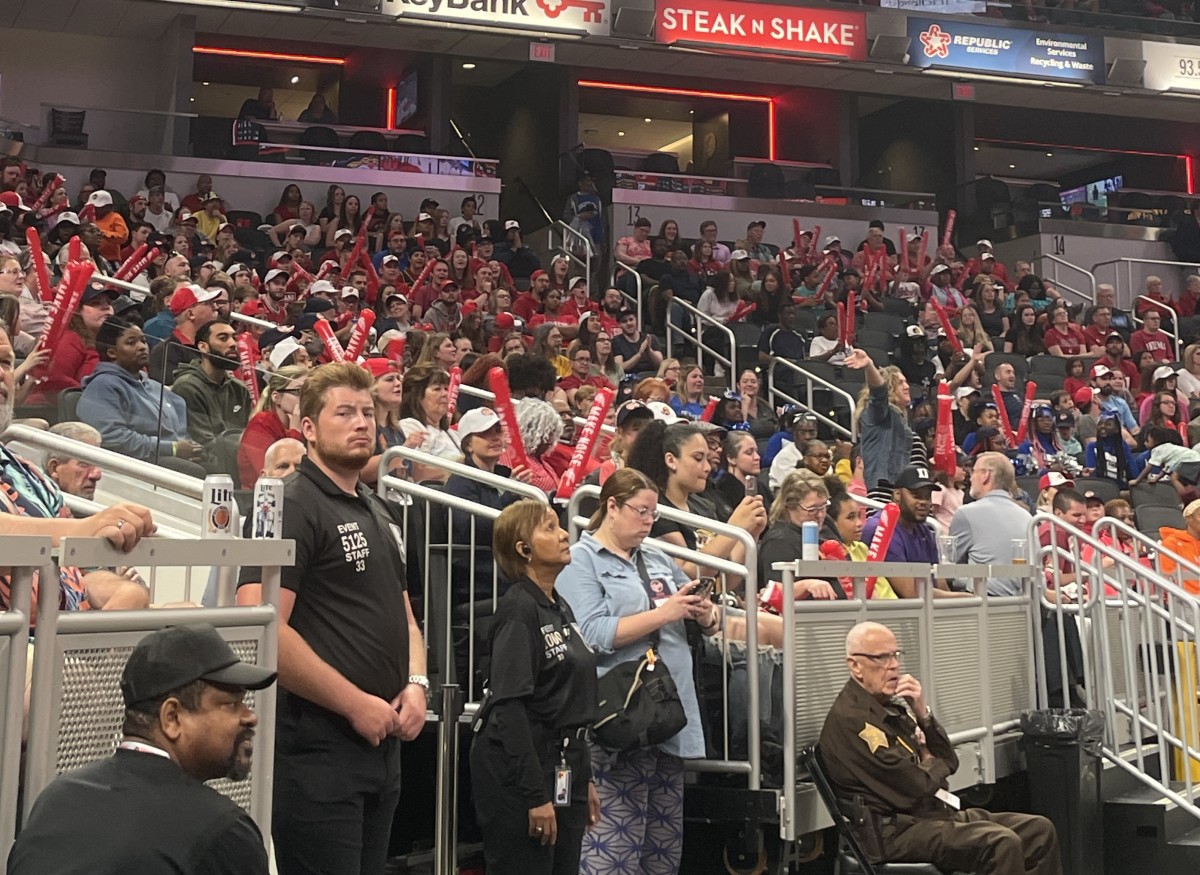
pixel 851 858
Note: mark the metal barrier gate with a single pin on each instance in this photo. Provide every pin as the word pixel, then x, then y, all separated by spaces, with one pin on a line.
pixel 76 710
pixel 22 555
pixel 1139 629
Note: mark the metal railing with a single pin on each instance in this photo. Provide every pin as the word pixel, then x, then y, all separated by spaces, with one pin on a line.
pixel 746 574
pixel 446 530
pixel 142 292
pixel 22 556
pixel 1088 295
pixel 955 647
pixel 1137 633
pixel 1172 333
pixel 76 709
pixel 153 475
pixel 565 234
pixel 775 392
pixel 1128 263
pixel 699 319
pixel 635 300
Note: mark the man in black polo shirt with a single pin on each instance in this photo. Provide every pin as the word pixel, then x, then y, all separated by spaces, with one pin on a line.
pixel 351 658
pixel 782 341
pixel 635 351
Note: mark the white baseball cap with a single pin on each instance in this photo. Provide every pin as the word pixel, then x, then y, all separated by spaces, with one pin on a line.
pixel 477 421
pixel 322 287
pixel 282 350
pixel 274 273
pixel 99 198
pixel 511 224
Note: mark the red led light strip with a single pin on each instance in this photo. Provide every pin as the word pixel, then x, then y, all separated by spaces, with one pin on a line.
pixel 266 56
pixel 391 108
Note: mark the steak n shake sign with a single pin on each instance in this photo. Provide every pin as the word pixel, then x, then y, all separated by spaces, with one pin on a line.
pixel 590 16
pixel 827 32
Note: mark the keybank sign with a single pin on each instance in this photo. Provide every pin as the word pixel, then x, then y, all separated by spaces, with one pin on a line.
pixel 591 16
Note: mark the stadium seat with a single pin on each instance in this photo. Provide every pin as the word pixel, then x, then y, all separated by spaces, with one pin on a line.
pixel 1150 518
pixel 875 337
pixel 891 323
pixel 897 307
pixel 371 141
pixel 1030 485
pixel 1047 383
pixel 1048 364
pixel 322 137
pixel 1105 490
pixel 745 338
pixel 1153 495
pixel 806 322
pixel 881 356
pixel 244 219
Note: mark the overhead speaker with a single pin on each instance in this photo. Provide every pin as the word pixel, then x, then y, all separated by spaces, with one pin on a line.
pixel 633 19
pixel 891 47
pixel 1127 71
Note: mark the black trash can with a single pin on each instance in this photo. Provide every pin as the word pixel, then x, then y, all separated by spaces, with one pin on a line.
pixel 1062 756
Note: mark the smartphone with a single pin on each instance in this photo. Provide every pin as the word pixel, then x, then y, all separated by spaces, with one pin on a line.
pixel 751 483
pixel 705 587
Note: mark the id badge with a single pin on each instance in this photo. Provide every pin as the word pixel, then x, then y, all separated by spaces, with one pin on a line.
pixel 562 787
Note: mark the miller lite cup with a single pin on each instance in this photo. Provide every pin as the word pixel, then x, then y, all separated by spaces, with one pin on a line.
pixel 268 508
pixel 219 519
pixel 811 549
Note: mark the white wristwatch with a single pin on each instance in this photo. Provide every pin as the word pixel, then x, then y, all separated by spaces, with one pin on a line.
pixel 420 680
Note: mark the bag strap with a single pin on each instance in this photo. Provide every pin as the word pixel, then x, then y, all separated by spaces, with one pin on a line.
pixel 645 575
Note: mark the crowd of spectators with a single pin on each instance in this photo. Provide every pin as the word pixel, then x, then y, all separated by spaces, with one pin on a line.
pixel 171 379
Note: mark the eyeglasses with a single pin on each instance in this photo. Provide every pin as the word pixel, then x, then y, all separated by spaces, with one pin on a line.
pixel 645 512
pixel 288 391
pixel 1168 401
pixel 882 658
pixel 13 271
pixel 815 508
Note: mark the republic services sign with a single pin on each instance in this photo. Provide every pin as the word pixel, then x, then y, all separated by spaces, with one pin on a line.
pixel 827 32
pixel 951 44
pixel 590 16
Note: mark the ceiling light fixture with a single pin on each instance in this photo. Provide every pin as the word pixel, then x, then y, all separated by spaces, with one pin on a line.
pixel 620 133
pixel 647 120
pixel 295 80
pixel 468 66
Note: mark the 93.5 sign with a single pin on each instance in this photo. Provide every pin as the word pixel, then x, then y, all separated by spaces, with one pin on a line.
pixel 1176 67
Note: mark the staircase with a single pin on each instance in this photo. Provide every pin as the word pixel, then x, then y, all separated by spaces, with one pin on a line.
pixel 1138 645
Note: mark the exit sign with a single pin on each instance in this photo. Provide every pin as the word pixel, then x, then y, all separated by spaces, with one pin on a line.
pixel 963 91
pixel 541 52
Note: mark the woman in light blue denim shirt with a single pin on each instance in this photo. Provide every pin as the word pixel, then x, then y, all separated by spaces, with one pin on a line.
pixel 641 792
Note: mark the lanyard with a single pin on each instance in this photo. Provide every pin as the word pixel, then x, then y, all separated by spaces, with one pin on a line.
pixel 143 748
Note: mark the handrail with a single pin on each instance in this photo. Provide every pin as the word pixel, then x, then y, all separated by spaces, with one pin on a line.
pixel 575 523
pixel 477 393
pixel 636 300
pixel 566 230
pixel 154 475
pixel 1140 320
pixel 506 484
pixel 1116 529
pixel 1129 263
pixel 1091 277
pixel 22 553
pixel 144 292
pixel 701 346
pixel 810 378
pixel 82 507
pixel 1153 612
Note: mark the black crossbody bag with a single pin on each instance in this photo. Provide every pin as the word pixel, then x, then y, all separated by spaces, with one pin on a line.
pixel 639 704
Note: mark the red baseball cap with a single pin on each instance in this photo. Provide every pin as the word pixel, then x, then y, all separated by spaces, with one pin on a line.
pixel 189 296
pixel 252 308
pixel 505 321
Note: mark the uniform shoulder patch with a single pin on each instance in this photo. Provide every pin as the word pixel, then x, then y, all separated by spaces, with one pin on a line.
pixel 874 737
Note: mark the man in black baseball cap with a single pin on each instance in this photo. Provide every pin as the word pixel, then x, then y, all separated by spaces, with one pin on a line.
pixel 146 809
pixel 912 540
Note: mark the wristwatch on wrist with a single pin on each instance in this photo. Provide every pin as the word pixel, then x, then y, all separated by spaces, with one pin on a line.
pixel 420 680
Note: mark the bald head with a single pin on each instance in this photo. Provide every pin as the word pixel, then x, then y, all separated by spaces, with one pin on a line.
pixel 873 659
pixel 283 457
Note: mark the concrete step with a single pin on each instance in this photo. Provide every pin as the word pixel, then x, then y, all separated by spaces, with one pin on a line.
pixel 1139 828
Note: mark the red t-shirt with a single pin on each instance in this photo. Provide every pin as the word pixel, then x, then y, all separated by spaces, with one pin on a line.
pixel 1157 302
pixel 1186 305
pixel 1158 343
pixel 1094 335
pixel 1071 342
pixel 1125 366
pixel 526 305
pixel 570 310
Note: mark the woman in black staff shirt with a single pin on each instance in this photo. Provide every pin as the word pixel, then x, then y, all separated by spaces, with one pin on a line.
pixel 530 768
